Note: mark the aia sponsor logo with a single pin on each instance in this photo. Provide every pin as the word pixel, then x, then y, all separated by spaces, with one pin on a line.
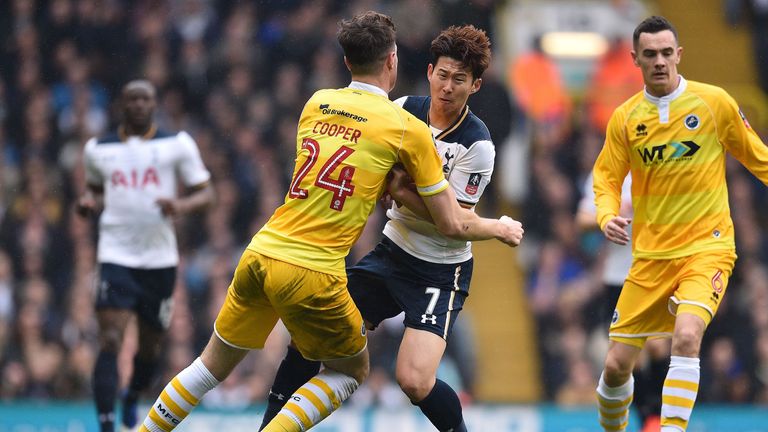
pixel 135 179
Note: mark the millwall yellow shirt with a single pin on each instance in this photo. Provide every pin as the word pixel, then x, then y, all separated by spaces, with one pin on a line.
pixel 348 140
pixel 675 146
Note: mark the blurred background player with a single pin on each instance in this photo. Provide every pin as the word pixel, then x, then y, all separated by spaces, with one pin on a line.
pixel 415 269
pixel 615 262
pixel 683 236
pixel 348 140
pixel 132 178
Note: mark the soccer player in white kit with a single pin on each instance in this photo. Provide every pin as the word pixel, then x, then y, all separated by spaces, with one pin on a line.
pixel 414 269
pixel 132 177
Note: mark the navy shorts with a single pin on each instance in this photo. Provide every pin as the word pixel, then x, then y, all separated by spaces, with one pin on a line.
pixel 389 280
pixel 145 291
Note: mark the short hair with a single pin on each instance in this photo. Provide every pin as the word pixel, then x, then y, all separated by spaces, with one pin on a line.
pixel 366 39
pixel 653 24
pixel 467 44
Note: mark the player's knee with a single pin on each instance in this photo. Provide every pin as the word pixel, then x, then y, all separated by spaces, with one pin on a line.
pixel 686 342
pixel 110 340
pixel 617 368
pixel 414 385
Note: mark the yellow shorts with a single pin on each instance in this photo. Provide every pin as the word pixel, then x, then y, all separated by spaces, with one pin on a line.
pixel 315 307
pixel 657 290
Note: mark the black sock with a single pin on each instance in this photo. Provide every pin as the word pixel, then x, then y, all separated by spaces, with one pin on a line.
pixel 657 373
pixel 293 372
pixel 143 372
pixel 443 408
pixel 105 389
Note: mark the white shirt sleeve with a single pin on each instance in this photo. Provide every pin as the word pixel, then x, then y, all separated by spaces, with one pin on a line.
pixel 191 168
pixel 93 175
pixel 472 172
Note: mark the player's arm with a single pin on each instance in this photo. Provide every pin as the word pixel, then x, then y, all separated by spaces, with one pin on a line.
pixel 608 176
pixel 200 197
pixel 740 139
pixel 91 202
pixel 463 224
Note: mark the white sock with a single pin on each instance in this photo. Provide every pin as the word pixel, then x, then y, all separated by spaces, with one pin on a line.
pixel 679 395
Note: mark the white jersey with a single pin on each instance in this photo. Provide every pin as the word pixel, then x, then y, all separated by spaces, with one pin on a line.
pixel 134 172
pixel 619 258
pixel 468 154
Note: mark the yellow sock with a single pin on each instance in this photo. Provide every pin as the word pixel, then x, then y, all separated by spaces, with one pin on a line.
pixel 613 405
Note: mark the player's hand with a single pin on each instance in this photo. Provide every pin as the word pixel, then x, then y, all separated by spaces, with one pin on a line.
pixel 616 230
pixel 85 206
pixel 399 180
pixel 169 207
pixel 512 231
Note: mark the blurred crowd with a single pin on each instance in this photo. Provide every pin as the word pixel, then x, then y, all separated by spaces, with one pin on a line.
pixel 235 75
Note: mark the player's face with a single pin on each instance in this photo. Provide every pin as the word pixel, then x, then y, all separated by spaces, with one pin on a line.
pixel 138 105
pixel 657 55
pixel 450 84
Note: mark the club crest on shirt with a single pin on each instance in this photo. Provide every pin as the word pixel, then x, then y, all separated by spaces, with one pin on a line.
pixel 473 183
pixel 692 121
pixel 615 317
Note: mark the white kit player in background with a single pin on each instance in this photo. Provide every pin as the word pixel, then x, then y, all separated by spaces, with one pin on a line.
pixel 132 178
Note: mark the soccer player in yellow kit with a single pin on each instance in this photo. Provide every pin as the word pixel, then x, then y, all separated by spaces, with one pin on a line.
pixel 347 142
pixel 673 137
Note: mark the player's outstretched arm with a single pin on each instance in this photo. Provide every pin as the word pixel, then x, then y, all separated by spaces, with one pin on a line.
pixel 456 222
pixel 451 219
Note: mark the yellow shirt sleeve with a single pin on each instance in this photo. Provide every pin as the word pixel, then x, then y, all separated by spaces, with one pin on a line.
pixel 610 169
pixel 740 140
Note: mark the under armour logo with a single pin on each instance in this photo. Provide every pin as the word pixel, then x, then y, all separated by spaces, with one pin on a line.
pixel 428 317
pixel 279 396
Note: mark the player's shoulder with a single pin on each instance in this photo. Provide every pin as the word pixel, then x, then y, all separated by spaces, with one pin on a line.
pixel 469 130
pixel 111 137
pixel 710 93
pixel 417 106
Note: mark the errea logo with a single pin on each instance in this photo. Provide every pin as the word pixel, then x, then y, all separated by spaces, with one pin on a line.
pixel 641 130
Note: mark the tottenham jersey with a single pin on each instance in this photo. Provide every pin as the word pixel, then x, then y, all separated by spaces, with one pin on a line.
pixel 348 140
pixel 467 155
pixel 134 172
pixel 675 148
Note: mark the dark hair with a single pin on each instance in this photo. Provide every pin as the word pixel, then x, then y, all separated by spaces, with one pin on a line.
pixel 366 39
pixel 652 24
pixel 467 44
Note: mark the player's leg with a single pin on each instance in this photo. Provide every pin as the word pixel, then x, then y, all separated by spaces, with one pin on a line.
pixel 641 312
pixel 325 325
pixel 292 373
pixel 417 362
pixel 615 388
pixel 154 315
pixel 432 296
pixel 681 385
pixel 244 323
pixel 649 381
pixel 701 288
pixel 116 299
pixel 112 324
pixel 185 390
pixel 366 283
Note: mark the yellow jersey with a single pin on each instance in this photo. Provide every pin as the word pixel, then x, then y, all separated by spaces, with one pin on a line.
pixel 675 146
pixel 348 140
